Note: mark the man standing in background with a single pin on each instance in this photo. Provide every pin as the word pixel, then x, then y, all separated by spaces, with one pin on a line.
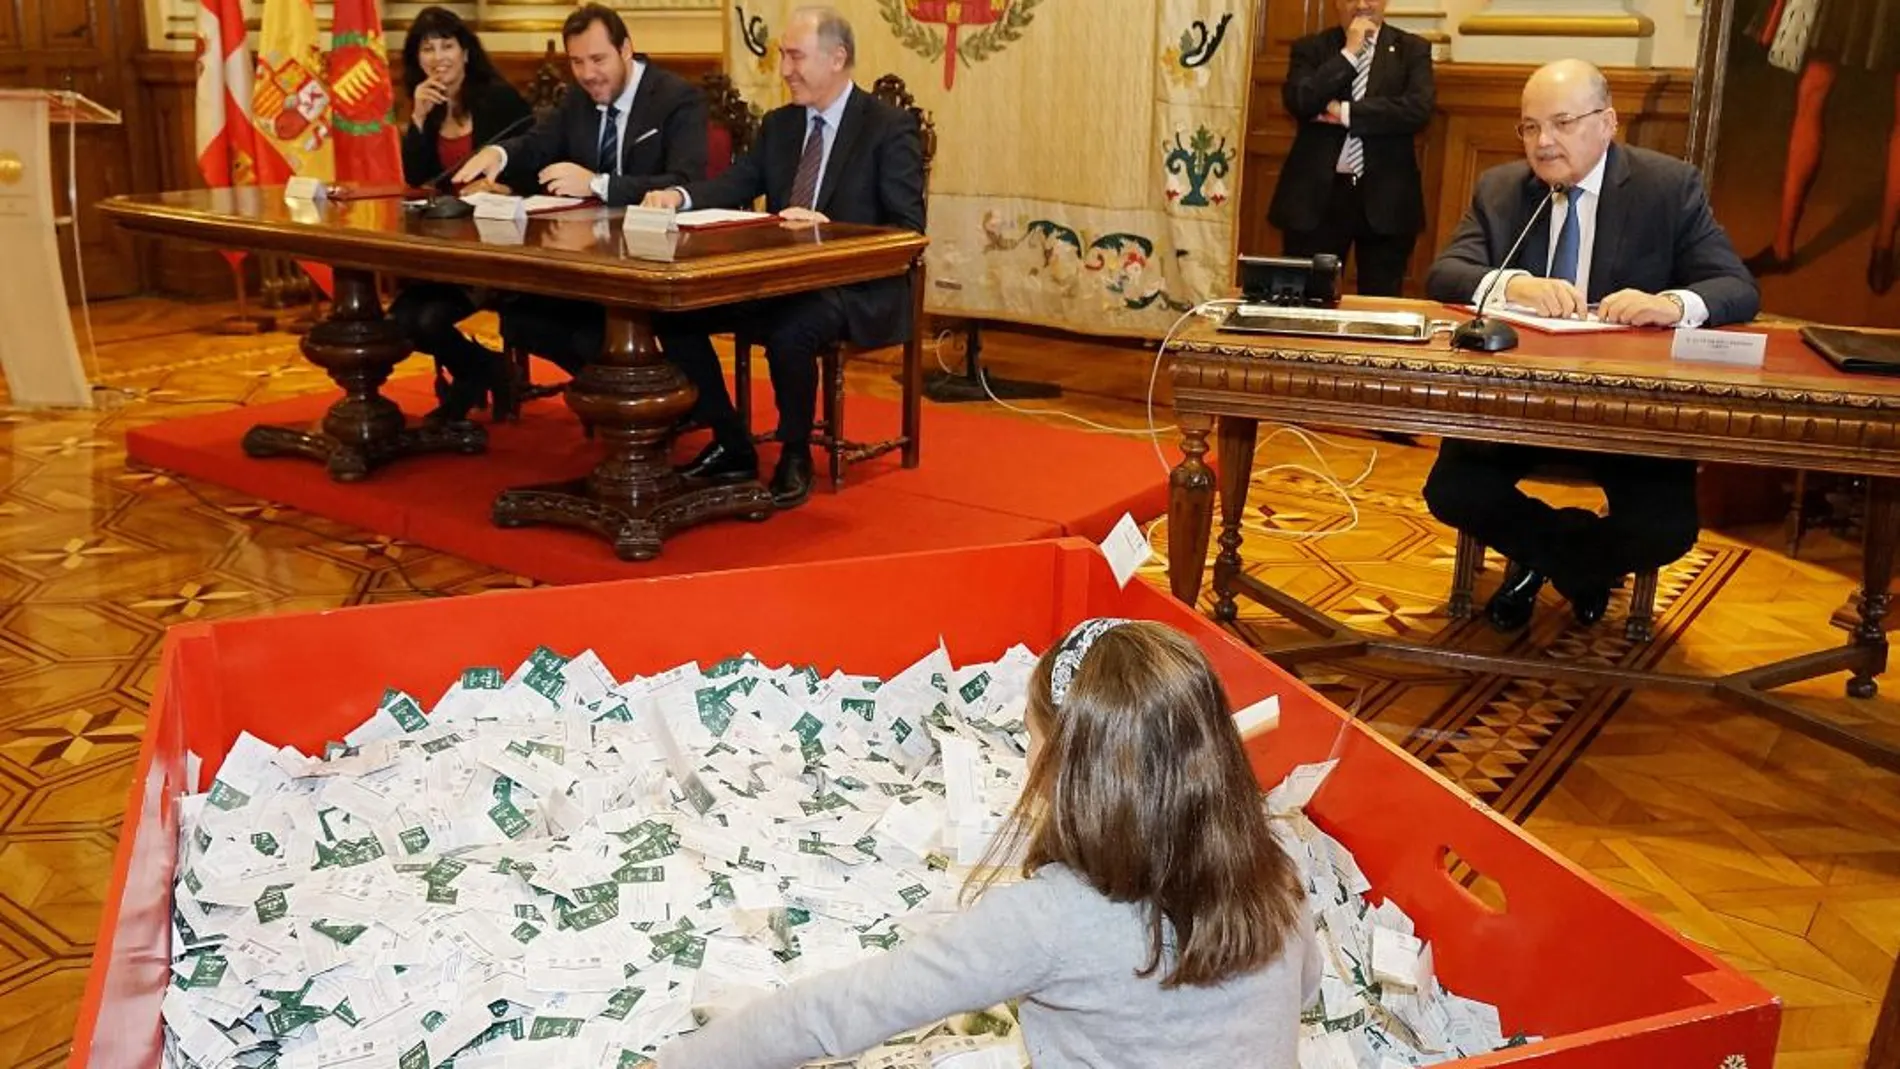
pixel 1361 92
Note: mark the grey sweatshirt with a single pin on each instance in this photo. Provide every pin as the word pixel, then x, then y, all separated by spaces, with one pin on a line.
pixel 1068 953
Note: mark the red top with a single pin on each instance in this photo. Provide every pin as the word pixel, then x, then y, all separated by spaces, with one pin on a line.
pixel 455 151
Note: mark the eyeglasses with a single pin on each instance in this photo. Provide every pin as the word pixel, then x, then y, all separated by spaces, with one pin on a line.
pixel 1562 125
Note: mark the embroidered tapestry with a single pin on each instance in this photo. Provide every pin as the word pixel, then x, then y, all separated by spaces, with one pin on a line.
pixel 1088 151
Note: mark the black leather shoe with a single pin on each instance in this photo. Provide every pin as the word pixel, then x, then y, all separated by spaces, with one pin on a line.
pixel 791 481
pixel 455 397
pixel 719 463
pixel 1511 607
pixel 1588 607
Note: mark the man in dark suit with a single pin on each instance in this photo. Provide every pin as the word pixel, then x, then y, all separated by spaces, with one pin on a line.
pixel 1630 238
pixel 834 152
pixel 634 129
pixel 1361 92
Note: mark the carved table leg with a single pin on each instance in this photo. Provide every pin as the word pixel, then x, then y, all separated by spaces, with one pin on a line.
pixel 1236 475
pixel 633 398
pixel 364 430
pixel 1877 544
pixel 1190 509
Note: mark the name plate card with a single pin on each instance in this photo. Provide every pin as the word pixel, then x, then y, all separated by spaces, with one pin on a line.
pixel 1736 348
pixel 508 209
pixel 651 220
pixel 303 188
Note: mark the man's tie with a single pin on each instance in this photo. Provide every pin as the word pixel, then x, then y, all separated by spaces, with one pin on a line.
pixel 805 184
pixel 609 162
pixel 1563 262
pixel 1352 158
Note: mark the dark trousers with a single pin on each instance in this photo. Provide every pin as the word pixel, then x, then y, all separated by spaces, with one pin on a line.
pixel 570 333
pixel 428 313
pixel 793 329
pixel 1652 510
pixel 1381 258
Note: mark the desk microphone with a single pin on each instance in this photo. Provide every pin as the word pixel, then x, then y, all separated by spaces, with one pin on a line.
pixel 1491 335
pixel 448 205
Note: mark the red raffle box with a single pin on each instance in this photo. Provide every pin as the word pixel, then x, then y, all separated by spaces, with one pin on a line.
pixel 1609 986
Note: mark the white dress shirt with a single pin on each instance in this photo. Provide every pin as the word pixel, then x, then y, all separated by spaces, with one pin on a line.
pixel 1583 199
pixel 625 105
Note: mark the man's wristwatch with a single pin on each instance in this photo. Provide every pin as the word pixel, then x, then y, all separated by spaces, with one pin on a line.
pixel 1682 310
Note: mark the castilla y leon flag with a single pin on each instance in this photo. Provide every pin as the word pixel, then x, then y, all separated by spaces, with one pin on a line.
pixel 291 104
pixel 368 151
pixel 225 139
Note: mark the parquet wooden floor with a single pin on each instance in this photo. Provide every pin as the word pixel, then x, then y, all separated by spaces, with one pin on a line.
pixel 1781 855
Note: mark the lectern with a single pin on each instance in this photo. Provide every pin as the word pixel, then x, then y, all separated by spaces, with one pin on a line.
pixel 37 349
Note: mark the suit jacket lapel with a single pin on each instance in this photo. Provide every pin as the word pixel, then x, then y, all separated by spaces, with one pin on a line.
pixel 1612 219
pixel 637 122
pixel 1385 63
pixel 848 129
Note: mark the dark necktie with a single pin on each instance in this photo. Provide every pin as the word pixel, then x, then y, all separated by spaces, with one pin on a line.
pixel 805 184
pixel 609 141
pixel 1563 263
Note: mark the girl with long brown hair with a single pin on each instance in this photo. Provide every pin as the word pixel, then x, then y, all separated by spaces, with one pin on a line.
pixel 1158 922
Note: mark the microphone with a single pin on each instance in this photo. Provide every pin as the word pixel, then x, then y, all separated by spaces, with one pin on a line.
pixel 449 206
pixel 1489 335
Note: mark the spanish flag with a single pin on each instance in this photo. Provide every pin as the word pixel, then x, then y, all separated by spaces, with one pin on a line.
pixel 291 104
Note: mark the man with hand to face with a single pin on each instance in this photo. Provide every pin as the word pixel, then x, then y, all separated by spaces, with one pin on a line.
pixel 1629 233
pixel 1361 92
pixel 834 152
pixel 631 128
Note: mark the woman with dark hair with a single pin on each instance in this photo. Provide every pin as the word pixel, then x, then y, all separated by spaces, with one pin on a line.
pixel 458 101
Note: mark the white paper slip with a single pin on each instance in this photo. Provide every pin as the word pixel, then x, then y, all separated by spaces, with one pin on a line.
pixel 1259 718
pixel 716 216
pixel 1126 549
pixel 1738 347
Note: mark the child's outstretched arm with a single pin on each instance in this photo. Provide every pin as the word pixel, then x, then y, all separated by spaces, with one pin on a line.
pixel 1007 945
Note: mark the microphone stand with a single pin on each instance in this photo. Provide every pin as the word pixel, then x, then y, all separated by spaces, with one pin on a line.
pixel 1494 335
pixel 442 205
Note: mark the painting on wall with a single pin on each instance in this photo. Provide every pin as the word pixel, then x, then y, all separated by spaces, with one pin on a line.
pixel 1796 123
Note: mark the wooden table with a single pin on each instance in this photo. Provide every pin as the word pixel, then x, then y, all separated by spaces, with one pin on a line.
pixel 1610 392
pixel 632 396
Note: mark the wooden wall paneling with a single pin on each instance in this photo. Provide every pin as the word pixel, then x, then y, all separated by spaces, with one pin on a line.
pixel 82 45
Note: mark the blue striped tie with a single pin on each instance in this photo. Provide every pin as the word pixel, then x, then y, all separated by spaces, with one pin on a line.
pixel 1352 158
pixel 1563 262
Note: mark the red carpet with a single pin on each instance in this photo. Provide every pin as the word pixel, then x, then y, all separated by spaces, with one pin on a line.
pixel 984 480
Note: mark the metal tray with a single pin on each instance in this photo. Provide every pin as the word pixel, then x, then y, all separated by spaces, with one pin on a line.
pixel 1329 323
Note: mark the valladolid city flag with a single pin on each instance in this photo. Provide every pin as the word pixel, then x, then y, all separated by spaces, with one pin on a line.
pixel 224 137
pixel 291 104
pixel 363 102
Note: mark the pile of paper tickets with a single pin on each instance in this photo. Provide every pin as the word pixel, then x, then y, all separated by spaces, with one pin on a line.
pixel 553 868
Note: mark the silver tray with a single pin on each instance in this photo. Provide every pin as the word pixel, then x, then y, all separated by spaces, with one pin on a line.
pixel 1331 323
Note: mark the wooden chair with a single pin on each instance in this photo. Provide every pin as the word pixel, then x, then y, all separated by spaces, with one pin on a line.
pixel 829 429
pixel 1468 561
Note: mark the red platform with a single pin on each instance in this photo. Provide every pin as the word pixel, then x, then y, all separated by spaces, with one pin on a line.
pixel 985 480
